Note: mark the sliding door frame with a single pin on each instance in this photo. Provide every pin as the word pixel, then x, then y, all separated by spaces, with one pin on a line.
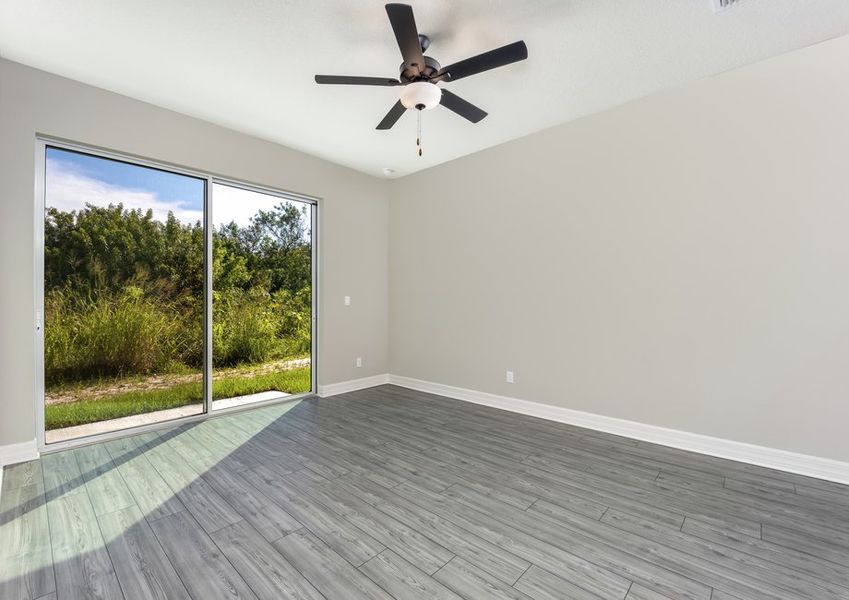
pixel 42 143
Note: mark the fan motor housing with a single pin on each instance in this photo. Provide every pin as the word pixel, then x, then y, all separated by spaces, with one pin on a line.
pixel 432 66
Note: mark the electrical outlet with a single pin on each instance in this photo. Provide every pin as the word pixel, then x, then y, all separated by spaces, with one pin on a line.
pixel 347 301
pixel 359 361
pixel 509 376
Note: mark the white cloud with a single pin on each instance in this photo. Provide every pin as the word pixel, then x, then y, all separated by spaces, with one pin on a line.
pixel 239 205
pixel 70 190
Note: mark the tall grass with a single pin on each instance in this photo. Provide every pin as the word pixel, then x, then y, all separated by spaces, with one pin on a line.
pixel 112 334
pixel 143 330
pixel 251 326
pixel 244 327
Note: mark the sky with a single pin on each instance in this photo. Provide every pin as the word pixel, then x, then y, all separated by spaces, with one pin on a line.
pixel 74 179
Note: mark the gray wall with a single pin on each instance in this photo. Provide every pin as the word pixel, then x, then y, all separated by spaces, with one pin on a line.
pixel 353 213
pixel 681 261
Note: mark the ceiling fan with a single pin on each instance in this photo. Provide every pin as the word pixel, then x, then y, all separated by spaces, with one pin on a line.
pixel 420 73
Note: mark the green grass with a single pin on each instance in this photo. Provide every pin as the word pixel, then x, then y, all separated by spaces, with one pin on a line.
pixel 293 381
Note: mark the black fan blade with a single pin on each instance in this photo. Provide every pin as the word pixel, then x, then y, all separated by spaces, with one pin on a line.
pixel 484 62
pixel 346 80
pixel 392 116
pixel 463 108
pixel 404 26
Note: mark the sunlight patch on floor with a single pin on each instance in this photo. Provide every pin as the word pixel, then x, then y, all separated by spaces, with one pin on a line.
pixel 60 523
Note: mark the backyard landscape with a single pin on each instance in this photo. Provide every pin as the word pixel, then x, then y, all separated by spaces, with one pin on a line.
pixel 124 308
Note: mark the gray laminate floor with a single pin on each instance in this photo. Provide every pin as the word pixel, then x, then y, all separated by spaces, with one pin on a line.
pixel 389 493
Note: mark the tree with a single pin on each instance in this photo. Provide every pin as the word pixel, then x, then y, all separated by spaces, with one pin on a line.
pixel 275 248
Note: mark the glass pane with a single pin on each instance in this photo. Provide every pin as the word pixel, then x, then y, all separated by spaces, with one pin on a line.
pixel 123 295
pixel 262 296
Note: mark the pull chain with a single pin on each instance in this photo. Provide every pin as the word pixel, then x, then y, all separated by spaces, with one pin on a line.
pixel 419 131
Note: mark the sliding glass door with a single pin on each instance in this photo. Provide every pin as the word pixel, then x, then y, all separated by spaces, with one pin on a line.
pixel 167 293
pixel 261 296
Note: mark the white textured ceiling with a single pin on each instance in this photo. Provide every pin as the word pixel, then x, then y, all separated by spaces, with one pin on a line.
pixel 249 64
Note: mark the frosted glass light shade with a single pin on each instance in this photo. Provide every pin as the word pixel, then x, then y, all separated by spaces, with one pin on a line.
pixel 421 94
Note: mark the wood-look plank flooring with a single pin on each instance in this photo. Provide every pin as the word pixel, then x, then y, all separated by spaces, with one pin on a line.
pixel 389 493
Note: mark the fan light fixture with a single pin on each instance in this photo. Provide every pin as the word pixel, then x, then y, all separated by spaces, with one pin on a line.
pixel 421 95
pixel 419 74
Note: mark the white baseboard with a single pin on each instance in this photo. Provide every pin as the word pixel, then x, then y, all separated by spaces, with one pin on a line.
pixel 16 453
pixel 352 385
pixel 802 464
